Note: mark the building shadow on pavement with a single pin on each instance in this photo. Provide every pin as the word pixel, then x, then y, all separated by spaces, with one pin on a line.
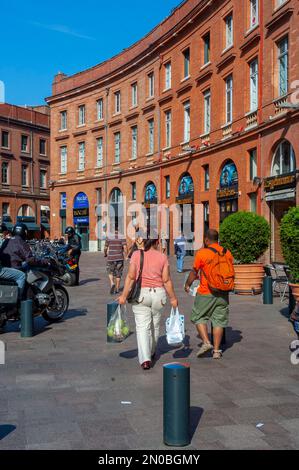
pixel 41 325
pixel 195 416
pixel 88 281
pixel 6 429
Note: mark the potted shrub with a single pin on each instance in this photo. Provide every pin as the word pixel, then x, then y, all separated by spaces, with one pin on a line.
pixel 247 236
pixel 289 236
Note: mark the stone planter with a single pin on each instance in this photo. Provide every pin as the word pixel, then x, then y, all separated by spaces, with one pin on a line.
pixel 295 291
pixel 249 278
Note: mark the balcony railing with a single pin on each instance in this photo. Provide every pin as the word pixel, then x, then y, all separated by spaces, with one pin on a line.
pixel 251 120
pixel 278 103
pixel 227 131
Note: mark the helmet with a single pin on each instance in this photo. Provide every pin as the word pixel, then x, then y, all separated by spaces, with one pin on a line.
pixel 21 230
pixel 69 231
pixel 3 228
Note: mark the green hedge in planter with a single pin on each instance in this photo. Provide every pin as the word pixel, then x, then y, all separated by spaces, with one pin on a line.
pixel 289 236
pixel 246 235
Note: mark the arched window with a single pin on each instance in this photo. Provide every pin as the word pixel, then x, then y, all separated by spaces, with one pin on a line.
pixel 25 211
pixel 284 159
pixel 186 185
pixel 116 196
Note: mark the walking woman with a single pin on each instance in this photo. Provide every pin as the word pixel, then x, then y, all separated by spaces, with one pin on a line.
pixel 156 285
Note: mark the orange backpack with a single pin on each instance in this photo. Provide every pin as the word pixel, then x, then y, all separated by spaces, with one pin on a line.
pixel 220 274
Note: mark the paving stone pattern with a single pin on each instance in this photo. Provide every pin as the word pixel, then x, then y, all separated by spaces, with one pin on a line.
pixel 63 388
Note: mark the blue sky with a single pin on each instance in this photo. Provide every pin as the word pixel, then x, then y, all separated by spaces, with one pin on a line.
pixel 39 38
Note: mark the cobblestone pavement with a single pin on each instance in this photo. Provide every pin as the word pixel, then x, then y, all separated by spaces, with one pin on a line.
pixel 63 388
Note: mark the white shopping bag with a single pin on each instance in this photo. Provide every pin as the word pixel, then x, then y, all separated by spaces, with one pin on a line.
pixel 175 327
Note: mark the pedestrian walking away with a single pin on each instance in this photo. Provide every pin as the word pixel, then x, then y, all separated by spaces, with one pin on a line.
pixel 156 284
pixel 180 252
pixel 73 247
pixel 214 265
pixel 116 252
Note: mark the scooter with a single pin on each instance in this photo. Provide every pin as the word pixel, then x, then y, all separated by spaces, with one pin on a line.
pixel 43 286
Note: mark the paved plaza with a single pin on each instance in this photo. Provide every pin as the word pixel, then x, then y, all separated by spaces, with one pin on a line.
pixel 64 388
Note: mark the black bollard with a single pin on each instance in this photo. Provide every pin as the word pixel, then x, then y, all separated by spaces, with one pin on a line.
pixel 111 309
pixel 292 301
pixel 268 290
pixel 26 319
pixel 176 404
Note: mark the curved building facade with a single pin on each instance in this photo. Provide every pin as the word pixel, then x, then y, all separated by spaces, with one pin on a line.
pixel 202 110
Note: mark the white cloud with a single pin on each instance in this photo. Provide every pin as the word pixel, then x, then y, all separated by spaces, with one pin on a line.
pixel 60 28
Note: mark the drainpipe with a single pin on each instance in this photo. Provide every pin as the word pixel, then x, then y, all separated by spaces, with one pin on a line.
pixel 32 174
pixel 260 111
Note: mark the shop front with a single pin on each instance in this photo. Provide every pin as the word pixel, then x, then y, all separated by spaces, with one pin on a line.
pixel 228 192
pixel 185 202
pixel 151 210
pixel 34 230
pixel 81 218
pixel 280 193
pixel 45 224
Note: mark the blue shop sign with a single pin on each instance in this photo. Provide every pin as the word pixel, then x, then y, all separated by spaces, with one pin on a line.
pixel 81 209
pixel 186 186
pixel 151 193
pixel 63 201
pixel 229 176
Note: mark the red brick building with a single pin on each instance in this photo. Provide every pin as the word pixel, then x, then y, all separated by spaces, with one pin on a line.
pixel 25 161
pixel 195 112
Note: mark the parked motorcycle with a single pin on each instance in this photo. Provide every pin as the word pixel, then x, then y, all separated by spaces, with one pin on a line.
pixel 43 286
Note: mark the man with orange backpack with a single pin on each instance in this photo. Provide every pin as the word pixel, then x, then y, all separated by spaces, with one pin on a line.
pixel 214 264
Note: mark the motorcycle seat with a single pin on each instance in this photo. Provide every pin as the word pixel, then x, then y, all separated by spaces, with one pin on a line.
pixel 6 282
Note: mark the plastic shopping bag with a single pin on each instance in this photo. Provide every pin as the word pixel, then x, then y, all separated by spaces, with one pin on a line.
pixel 118 328
pixel 194 287
pixel 175 328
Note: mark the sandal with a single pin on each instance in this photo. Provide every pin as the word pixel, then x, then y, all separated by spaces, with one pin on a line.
pixel 217 354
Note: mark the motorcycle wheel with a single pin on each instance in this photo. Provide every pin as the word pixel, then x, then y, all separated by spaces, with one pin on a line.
pixel 69 279
pixel 2 324
pixel 54 312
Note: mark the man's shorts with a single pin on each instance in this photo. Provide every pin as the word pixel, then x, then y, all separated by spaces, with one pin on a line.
pixel 115 268
pixel 214 308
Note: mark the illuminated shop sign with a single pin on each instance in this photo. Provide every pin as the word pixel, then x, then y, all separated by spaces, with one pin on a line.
pixel 81 209
pixel 280 182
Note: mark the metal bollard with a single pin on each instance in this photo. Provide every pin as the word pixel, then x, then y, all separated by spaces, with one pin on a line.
pixel 292 301
pixel 176 404
pixel 268 290
pixel 111 308
pixel 26 319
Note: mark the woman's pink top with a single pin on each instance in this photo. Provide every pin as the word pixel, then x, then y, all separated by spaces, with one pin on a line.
pixel 154 263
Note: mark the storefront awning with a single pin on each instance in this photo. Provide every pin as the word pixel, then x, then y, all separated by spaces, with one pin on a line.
pixel 279 195
pixel 31 227
pixel 46 226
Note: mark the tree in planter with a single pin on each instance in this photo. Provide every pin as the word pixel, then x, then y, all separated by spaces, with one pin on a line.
pixel 246 235
pixel 289 236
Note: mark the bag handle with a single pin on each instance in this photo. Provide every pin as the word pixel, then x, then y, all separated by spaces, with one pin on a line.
pixel 141 264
